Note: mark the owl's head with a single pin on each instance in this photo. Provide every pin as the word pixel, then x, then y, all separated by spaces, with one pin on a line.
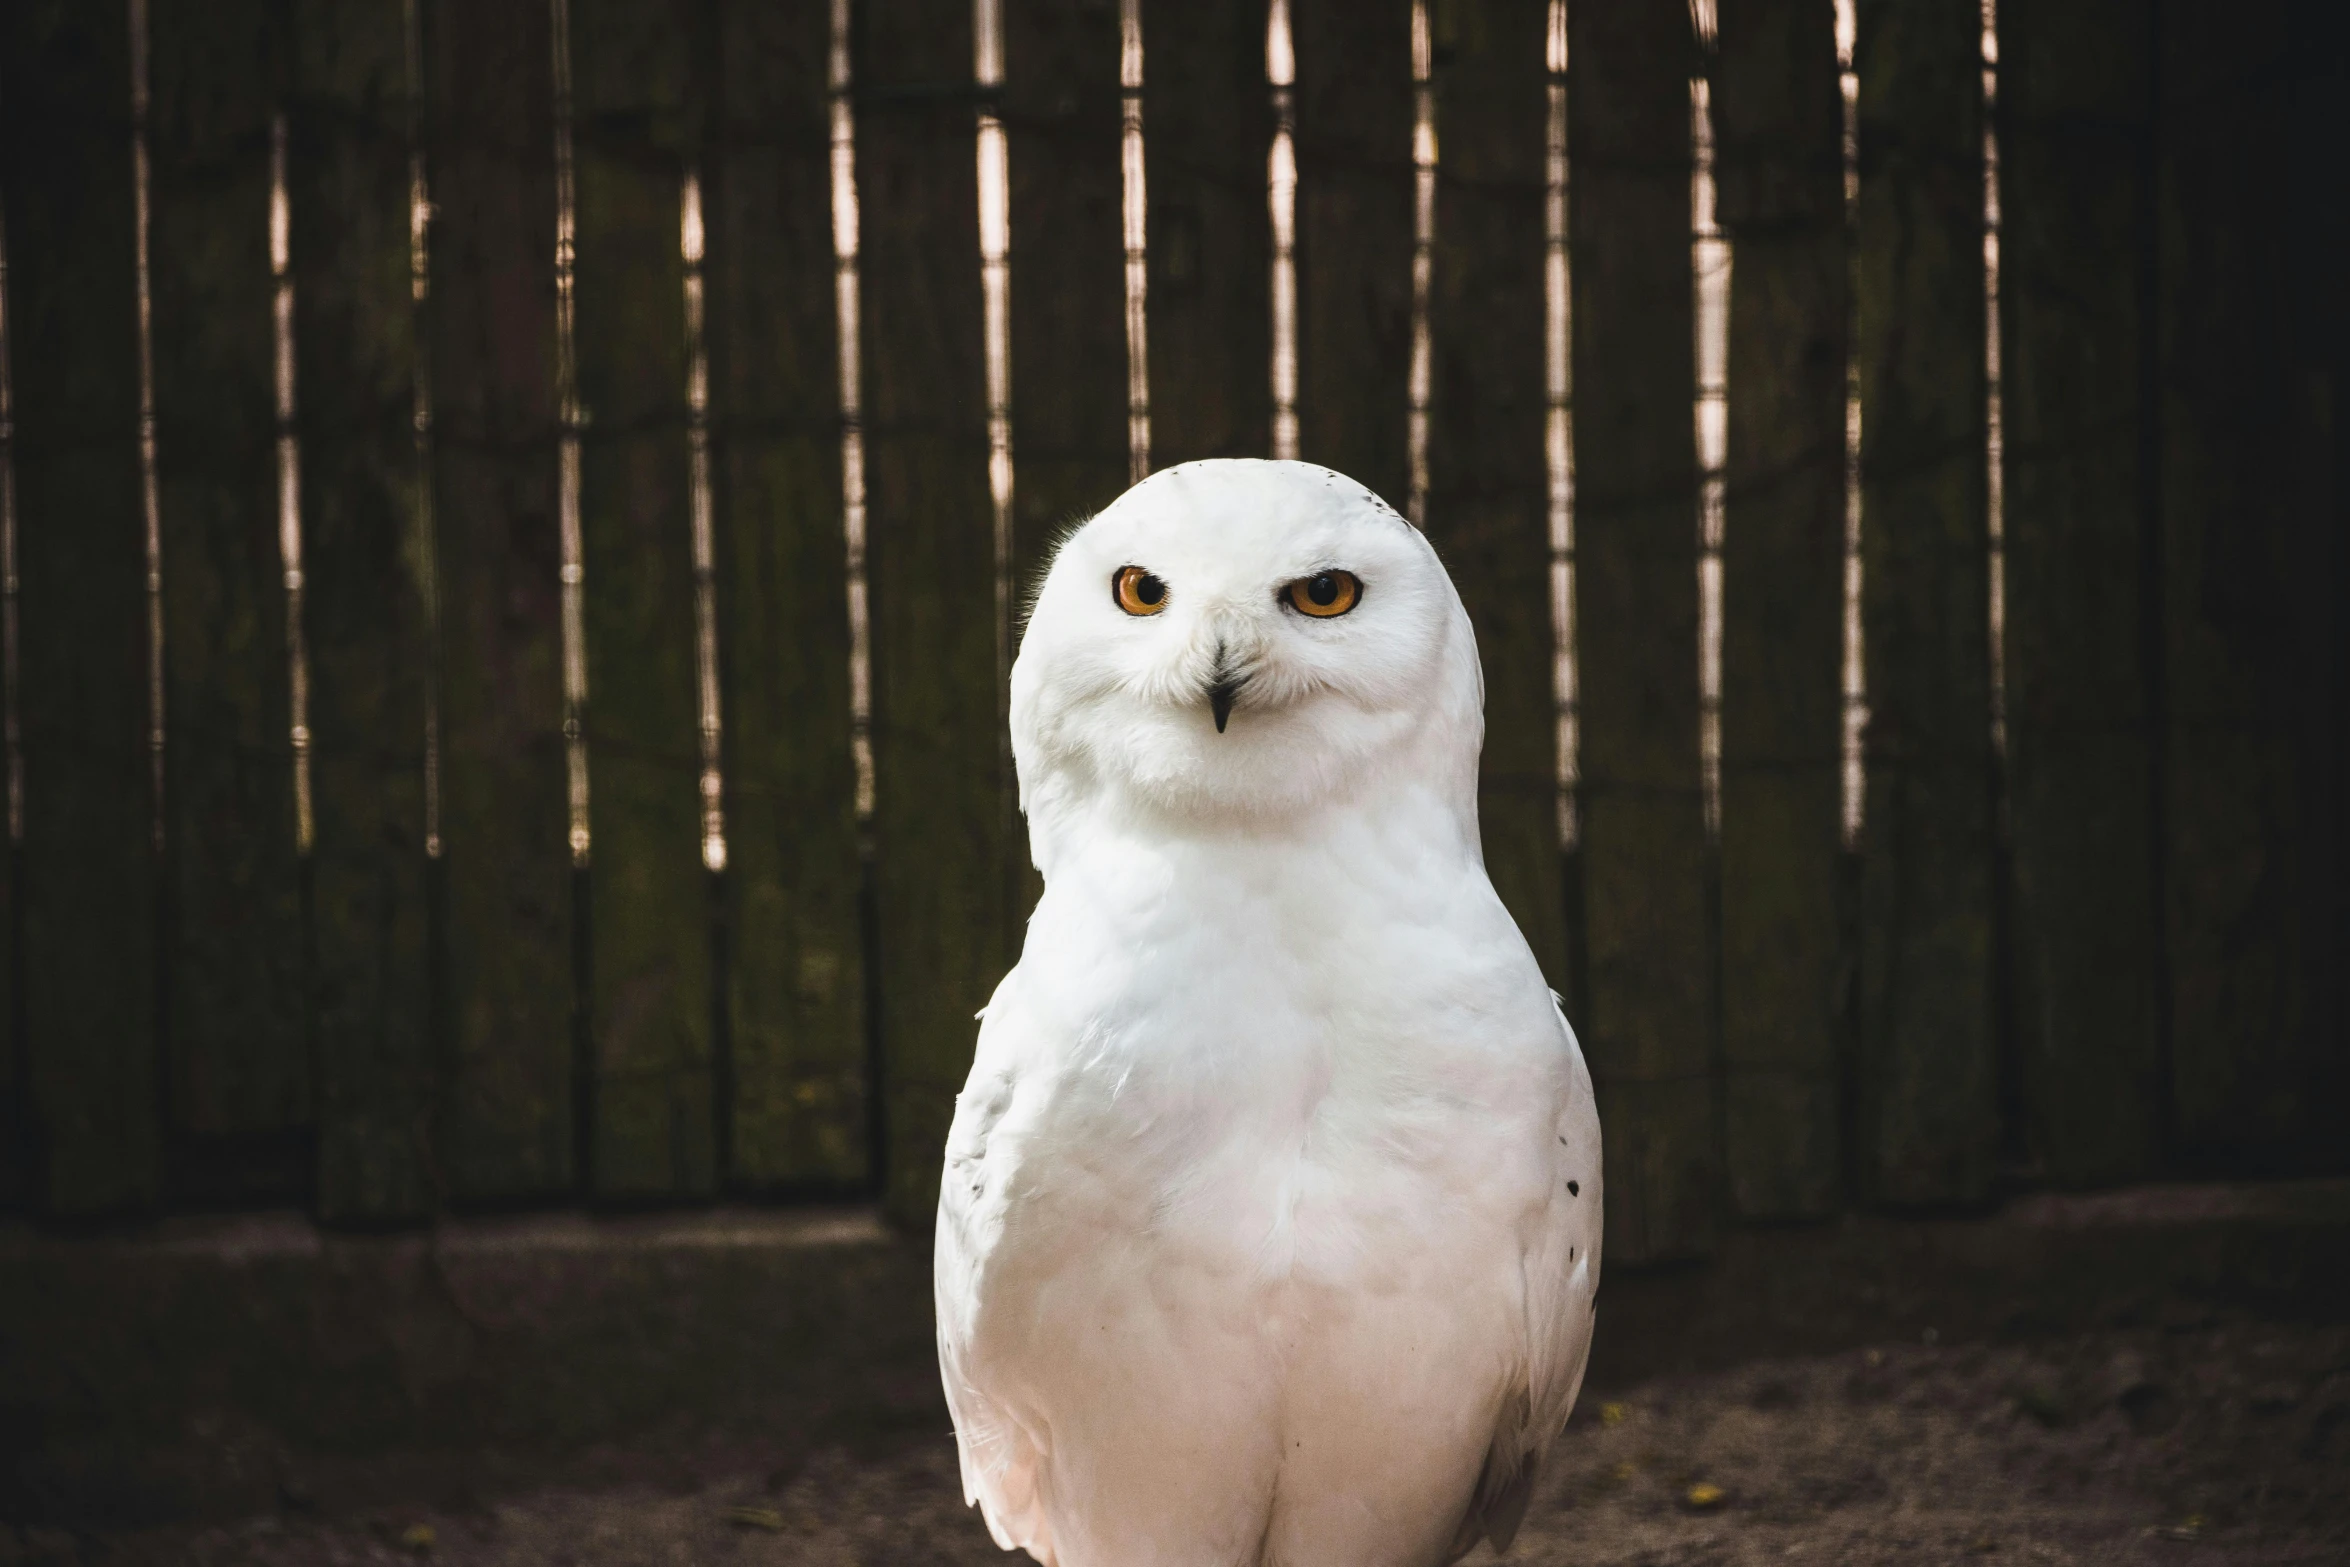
pixel 1239 639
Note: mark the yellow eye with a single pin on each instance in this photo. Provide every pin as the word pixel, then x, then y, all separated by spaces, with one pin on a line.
pixel 1137 591
pixel 1325 593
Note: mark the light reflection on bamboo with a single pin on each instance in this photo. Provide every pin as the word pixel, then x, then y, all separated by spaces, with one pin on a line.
pixel 1281 196
pixel 849 331
pixel 1994 421
pixel 1853 681
pixel 1558 435
pixel 150 490
pixel 1134 210
pixel 571 420
pixel 1423 260
pixel 289 478
pixel 995 288
pixel 697 431
pixel 423 550
pixel 1710 281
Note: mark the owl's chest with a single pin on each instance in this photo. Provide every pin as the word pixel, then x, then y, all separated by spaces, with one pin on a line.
pixel 1252 1148
pixel 1263 1256
pixel 1267 962
pixel 1279 1060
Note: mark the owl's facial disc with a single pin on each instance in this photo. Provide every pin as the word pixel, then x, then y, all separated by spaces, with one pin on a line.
pixel 1236 634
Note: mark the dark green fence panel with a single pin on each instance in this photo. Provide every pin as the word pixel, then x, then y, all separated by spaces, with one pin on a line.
pixel 800 1106
pixel 1778 124
pixel 89 896
pixel 511 1102
pixel 2108 949
pixel 1354 237
pixel 1061 108
pixel 1206 126
pixel 1061 105
pixel 1930 1113
pixel 635 113
pixel 239 1063
pixel 2075 104
pixel 16 1109
pixel 368 561
pixel 16 1098
pixel 1647 1023
pixel 946 932
pixel 1489 498
pixel 2251 488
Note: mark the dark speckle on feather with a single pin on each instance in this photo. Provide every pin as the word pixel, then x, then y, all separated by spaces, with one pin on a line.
pixel 1574 1188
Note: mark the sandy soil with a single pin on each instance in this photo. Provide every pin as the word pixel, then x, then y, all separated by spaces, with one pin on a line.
pixel 2203 1441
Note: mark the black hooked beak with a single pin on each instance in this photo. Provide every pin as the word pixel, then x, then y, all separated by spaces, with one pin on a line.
pixel 1222 689
pixel 1220 697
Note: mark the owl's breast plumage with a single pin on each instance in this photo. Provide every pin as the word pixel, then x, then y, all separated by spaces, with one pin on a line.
pixel 1235 1236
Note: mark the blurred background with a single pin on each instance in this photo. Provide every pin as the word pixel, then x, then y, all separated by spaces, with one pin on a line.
pixel 515 516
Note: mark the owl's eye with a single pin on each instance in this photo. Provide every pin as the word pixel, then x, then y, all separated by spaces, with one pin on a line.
pixel 1137 591
pixel 1325 593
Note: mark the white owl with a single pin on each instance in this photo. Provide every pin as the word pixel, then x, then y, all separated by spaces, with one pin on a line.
pixel 1270 1225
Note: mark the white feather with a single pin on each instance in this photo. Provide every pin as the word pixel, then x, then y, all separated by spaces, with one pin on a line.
pixel 1270 1225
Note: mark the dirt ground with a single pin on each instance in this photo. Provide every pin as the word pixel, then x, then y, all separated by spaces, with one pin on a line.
pixel 2205 1440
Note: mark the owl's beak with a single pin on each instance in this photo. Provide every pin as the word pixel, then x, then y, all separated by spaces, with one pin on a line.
pixel 1220 696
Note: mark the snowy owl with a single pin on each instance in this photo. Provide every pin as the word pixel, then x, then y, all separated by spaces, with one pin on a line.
pixel 1270 1225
